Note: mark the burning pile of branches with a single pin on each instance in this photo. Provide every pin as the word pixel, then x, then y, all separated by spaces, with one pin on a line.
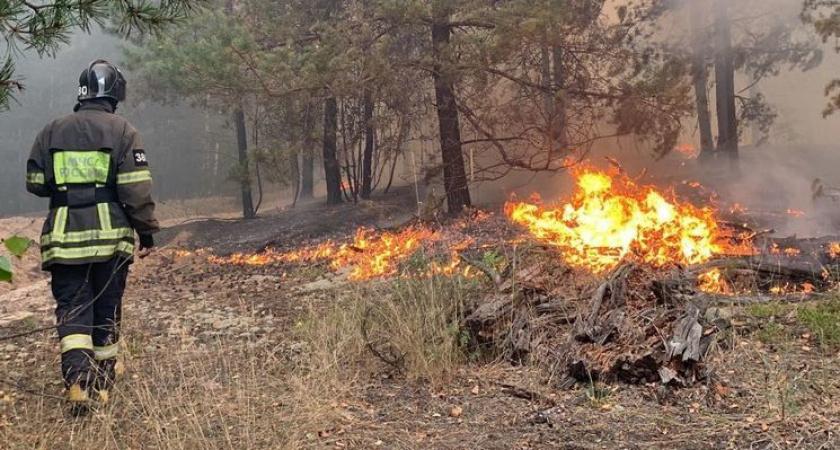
pixel 627 289
pixel 610 218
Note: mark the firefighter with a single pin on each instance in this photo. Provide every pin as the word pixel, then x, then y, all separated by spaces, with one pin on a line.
pixel 93 167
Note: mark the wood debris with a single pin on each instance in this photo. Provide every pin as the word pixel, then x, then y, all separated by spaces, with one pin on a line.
pixel 639 324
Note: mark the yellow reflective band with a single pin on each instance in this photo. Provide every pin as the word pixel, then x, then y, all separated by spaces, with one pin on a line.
pixel 35 177
pixel 77 237
pixel 76 342
pixel 134 177
pixel 60 223
pixel 104 211
pixel 81 167
pixel 87 252
pixel 106 352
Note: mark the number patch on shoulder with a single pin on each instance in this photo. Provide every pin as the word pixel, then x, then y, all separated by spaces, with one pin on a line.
pixel 140 159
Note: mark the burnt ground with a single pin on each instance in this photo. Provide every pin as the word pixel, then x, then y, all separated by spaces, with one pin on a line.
pixel 214 356
pixel 294 226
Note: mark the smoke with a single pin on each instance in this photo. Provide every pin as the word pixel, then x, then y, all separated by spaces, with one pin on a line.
pixel 775 186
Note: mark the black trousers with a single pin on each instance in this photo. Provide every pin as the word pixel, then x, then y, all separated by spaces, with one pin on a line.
pixel 88 310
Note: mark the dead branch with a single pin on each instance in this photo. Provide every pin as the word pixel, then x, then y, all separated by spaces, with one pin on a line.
pixel 397 362
pixel 491 273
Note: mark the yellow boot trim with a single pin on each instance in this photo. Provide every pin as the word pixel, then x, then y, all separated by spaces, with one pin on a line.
pixel 102 396
pixel 76 342
pixel 119 369
pixel 106 352
pixel 77 395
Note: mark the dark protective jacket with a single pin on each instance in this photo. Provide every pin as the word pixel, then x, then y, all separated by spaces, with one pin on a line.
pixel 93 167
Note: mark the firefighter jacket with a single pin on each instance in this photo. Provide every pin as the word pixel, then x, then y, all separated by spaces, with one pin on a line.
pixel 93 167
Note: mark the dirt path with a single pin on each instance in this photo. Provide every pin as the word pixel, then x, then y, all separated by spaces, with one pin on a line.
pixel 288 228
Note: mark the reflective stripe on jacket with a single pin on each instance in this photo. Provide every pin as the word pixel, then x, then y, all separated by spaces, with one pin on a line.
pixel 75 159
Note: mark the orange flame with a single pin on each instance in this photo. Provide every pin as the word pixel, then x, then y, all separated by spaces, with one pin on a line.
pixel 737 208
pixel 368 256
pixel 713 282
pixel 379 256
pixel 688 151
pixel 834 250
pixel 788 251
pixel 610 218
pixel 789 288
pixel 795 212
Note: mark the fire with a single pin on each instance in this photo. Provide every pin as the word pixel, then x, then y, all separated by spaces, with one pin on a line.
pixel 373 257
pixel 184 253
pixel 610 218
pixel 369 255
pixel 713 282
pixel 788 251
pixel 688 151
pixel 788 288
pixel 834 250
pixel 737 208
pixel 795 212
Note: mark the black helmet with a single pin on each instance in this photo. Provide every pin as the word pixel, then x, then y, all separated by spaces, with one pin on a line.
pixel 101 80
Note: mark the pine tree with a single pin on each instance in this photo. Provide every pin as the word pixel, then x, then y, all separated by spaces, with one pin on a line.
pixel 46 26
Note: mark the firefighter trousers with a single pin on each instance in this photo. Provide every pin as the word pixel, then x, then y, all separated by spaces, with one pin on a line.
pixel 88 311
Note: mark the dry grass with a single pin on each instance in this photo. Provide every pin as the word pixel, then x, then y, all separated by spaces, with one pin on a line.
pixel 228 396
pixel 317 384
pixel 282 391
pixel 412 325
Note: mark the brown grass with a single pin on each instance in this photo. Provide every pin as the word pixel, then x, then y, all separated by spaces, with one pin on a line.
pixel 231 395
pixel 283 391
pixel 296 387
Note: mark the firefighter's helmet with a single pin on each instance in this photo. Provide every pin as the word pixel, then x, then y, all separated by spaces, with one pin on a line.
pixel 101 80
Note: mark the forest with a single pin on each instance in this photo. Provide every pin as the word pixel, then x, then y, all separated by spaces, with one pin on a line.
pixel 486 224
pixel 499 86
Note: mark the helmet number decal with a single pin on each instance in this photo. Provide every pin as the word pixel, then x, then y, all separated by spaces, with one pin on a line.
pixel 83 90
pixel 140 159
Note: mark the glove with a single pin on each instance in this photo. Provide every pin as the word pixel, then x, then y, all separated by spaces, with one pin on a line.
pixel 147 242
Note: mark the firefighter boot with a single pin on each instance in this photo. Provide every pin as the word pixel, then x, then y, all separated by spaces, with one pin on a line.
pixel 102 397
pixel 79 400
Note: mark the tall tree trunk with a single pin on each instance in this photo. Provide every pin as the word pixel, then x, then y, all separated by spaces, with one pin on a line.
pixel 454 174
pixel 367 158
pixel 296 172
pixel 700 77
pixel 307 167
pixel 725 82
pixel 559 136
pixel 548 94
pixel 242 145
pixel 756 135
pixel 331 168
pixel 554 79
pixel 704 118
pixel 545 75
pixel 307 175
